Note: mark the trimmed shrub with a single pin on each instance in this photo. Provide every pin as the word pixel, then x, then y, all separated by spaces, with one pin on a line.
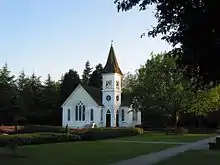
pixel 40 128
pixel 31 129
pixel 39 138
pixel 105 133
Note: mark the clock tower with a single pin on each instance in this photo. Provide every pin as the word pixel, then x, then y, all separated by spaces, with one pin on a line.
pixel 111 86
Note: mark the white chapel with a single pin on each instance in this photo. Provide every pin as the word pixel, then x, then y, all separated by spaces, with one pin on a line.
pixel 106 107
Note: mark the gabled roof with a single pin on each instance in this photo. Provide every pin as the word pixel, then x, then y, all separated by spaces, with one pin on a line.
pixel 112 63
pixel 96 94
pixel 91 92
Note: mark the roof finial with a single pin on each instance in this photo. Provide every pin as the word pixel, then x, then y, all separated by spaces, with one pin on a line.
pixel 111 42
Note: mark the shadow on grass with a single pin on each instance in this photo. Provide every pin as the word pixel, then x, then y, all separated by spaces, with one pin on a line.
pixel 11 156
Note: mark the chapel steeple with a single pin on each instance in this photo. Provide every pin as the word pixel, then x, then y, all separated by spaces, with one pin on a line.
pixel 111 65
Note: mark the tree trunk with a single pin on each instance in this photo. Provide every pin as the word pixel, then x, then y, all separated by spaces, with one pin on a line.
pixel 177 117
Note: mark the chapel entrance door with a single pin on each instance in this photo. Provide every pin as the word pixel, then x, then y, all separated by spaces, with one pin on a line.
pixel 108 119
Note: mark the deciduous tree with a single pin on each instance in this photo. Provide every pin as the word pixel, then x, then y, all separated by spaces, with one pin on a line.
pixel 193 25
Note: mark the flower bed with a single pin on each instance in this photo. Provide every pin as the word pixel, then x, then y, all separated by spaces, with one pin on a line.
pixel 79 130
pixel 7 129
pixel 105 133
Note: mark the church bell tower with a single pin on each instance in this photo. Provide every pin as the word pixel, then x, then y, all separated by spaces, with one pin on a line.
pixel 111 86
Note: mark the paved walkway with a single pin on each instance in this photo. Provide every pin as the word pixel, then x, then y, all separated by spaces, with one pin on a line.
pixel 145 142
pixel 154 158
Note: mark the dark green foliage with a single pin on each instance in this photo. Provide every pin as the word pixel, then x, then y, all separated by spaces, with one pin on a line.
pixel 8 95
pixel 28 99
pixel 86 73
pixel 49 134
pixel 190 23
pixel 32 129
pixel 95 79
pixel 105 133
pixel 68 84
pixel 162 91
pixel 14 141
pixel 41 128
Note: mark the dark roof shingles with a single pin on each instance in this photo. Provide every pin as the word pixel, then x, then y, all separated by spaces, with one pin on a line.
pixel 112 63
pixel 96 94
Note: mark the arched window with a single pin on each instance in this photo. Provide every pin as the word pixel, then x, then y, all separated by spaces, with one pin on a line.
pixel 122 115
pixel 83 113
pixel 101 114
pixel 76 113
pixel 80 113
pixel 68 115
pixel 91 115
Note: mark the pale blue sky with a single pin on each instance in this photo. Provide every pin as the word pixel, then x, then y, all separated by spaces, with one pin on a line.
pixel 53 36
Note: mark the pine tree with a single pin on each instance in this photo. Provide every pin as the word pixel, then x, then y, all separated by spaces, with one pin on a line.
pixel 86 73
pixel 68 84
pixel 8 95
pixel 50 94
pixel 96 77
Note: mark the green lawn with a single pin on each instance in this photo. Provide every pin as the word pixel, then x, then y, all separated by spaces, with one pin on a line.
pixel 161 137
pixel 194 157
pixel 79 153
pixel 96 152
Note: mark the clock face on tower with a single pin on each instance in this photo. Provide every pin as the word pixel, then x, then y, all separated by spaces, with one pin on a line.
pixel 117 97
pixel 108 98
pixel 108 84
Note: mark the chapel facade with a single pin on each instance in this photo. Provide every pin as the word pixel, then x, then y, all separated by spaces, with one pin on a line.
pixel 106 107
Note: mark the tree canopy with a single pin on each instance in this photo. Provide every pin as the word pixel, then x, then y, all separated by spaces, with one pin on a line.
pixel 160 85
pixel 38 101
pixel 95 79
pixel 190 23
pixel 86 73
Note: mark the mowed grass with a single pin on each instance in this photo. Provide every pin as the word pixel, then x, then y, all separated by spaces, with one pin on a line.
pixel 79 153
pixel 194 157
pixel 161 137
pixel 97 152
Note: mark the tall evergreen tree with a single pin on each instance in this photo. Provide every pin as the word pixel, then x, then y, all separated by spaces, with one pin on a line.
pixel 8 95
pixel 51 94
pixel 86 73
pixel 36 92
pixel 23 91
pixel 96 77
pixel 68 84
pixel 21 81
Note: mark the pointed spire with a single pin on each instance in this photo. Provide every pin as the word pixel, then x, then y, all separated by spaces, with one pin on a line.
pixel 112 64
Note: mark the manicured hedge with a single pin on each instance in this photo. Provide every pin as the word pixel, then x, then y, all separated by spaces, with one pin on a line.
pixel 31 129
pixel 41 128
pixel 37 138
pixel 105 133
